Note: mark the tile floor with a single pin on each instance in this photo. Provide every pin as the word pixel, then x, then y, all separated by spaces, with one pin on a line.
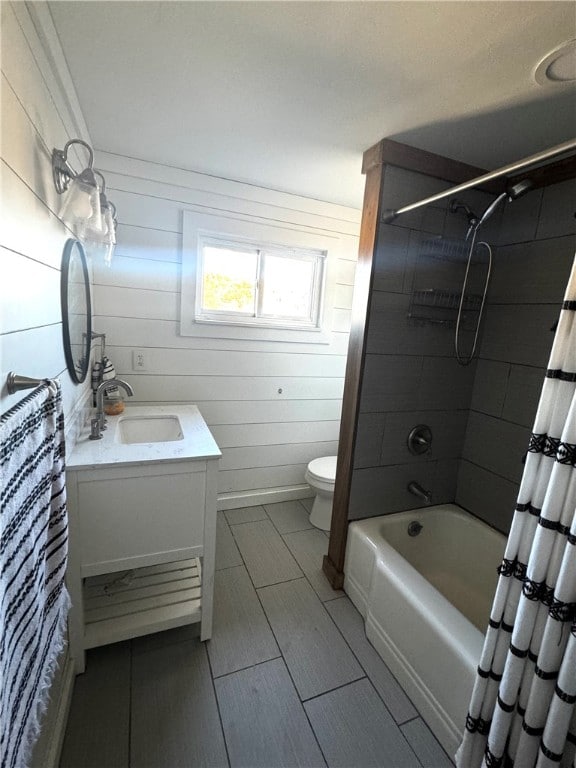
pixel 288 679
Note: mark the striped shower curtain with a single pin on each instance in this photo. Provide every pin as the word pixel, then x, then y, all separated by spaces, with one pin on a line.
pixel 522 711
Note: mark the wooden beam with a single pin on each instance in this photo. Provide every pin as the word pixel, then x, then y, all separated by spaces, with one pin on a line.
pixel 333 564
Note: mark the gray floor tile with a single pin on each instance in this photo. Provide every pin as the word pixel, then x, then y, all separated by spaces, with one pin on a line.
pixel 264 721
pixel 227 554
pixel 241 636
pixel 307 503
pixel 316 655
pixel 354 729
pixel 245 515
pixel 175 722
pixel 266 556
pixel 99 719
pixel 351 624
pixel 425 745
pixel 309 548
pixel 167 637
pixel 289 516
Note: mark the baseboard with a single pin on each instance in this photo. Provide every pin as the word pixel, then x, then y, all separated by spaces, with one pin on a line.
pixel 425 702
pixel 264 496
pixel 50 757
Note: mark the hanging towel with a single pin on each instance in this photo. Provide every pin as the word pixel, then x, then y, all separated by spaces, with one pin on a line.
pixel 34 601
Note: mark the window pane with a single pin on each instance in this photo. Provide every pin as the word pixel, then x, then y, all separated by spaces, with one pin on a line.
pixel 288 287
pixel 229 280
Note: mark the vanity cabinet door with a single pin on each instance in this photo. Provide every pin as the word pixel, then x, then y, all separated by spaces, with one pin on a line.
pixel 134 516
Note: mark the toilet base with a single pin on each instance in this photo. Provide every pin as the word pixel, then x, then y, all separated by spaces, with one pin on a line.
pixel 321 513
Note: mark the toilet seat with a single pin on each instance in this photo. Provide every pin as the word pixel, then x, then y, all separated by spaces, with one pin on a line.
pixel 323 469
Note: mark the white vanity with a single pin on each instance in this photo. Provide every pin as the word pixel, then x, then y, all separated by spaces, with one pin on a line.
pixel 142 520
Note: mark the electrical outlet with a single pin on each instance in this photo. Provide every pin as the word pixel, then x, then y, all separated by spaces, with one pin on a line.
pixel 139 360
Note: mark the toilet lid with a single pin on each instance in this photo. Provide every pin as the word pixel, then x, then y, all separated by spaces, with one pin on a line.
pixel 324 468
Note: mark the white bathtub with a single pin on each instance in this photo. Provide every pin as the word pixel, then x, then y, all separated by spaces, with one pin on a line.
pixel 426 602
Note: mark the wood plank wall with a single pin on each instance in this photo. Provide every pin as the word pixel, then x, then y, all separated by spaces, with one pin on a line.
pixel 35 118
pixel 272 405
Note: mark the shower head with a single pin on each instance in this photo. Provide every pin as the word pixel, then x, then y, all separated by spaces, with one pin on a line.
pixel 519 189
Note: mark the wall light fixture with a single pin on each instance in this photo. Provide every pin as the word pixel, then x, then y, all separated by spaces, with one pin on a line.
pixel 86 209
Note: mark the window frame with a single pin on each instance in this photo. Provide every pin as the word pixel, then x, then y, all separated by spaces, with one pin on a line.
pixel 236 227
pixel 260 319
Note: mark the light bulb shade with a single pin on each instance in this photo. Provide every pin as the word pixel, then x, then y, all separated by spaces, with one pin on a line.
pixel 81 209
pixel 100 252
pixel 109 226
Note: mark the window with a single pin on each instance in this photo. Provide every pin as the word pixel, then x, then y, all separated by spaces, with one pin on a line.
pixel 257 279
pixel 258 284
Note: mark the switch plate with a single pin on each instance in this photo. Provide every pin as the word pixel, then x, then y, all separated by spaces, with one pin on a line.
pixel 139 360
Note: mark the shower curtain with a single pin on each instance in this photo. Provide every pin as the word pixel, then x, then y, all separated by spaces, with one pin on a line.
pixel 522 711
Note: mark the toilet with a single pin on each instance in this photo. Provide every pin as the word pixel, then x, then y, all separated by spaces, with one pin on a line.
pixel 321 476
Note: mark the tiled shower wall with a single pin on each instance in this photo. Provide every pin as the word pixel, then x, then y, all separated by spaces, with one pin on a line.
pixel 531 269
pixel 480 414
pixel 411 376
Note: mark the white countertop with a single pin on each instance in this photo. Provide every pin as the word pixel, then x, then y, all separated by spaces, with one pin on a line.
pixel 196 444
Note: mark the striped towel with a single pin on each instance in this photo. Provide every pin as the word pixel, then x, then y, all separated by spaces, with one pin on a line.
pixel 33 550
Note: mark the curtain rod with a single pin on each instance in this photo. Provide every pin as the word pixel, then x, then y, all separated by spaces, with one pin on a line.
pixel 519 165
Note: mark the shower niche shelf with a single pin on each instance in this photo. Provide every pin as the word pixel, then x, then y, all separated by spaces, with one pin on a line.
pixel 434 306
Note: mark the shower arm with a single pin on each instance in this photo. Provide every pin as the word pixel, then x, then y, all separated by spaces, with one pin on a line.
pixel 519 165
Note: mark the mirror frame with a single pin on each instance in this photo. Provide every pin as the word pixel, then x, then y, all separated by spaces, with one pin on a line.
pixel 71 247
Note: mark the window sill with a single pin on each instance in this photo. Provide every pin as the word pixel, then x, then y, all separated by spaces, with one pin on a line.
pixel 218 329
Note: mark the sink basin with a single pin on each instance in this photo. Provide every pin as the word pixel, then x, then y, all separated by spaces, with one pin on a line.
pixel 149 429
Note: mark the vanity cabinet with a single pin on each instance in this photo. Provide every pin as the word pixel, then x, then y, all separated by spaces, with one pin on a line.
pixel 142 523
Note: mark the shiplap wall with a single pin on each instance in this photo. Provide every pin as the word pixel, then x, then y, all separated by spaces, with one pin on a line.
pixel 531 268
pixel 38 113
pixel 271 405
pixel 35 118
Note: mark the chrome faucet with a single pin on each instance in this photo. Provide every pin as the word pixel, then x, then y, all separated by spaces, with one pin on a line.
pixel 419 492
pixel 98 423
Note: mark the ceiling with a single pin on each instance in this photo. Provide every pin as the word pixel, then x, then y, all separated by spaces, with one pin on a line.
pixel 288 95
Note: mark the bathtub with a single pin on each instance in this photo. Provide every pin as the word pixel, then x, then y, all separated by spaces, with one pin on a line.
pixel 426 602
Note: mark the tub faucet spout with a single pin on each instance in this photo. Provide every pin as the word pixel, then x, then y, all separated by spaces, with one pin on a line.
pixel 419 492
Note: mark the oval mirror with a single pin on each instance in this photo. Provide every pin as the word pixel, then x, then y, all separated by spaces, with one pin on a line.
pixel 76 310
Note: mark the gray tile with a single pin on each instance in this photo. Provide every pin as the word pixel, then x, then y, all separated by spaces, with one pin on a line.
pixel 167 637
pixel 266 556
pixel 557 212
pixel 241 636
pixel 380 490
pixel 486 495
pixel 369 433
pixel 519 333
pixel 245 515
pixel 390 257
pixel 288 516
pixel 490 384
pixel 175 718
pixel 355 729
pixel 99 719
pixel 392 332
pixel 308 503
pixel 532 273
pixel 496 445
pixel 391 383
pixel 523 394
pixel 445 385
pixel 519 220
pixel 264 721
pixel 425 745
pixel 351 624
pixel 309 548
pixel 316 655
pixel 448 430
pixel 227 554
